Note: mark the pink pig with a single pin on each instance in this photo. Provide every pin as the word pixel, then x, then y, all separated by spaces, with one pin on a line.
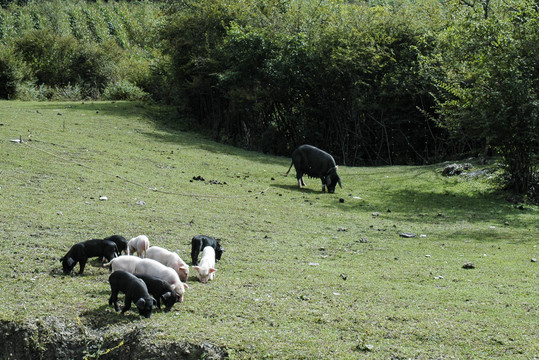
pixel 155 268
pixel 170 259
pixel 123 262
pixel 206 267
pixel 138 245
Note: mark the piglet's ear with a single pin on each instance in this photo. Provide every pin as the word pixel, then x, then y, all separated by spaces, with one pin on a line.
pixel 185 286
pixel 212 270
pixel 166 295
pixel 196 268
pixel 70 261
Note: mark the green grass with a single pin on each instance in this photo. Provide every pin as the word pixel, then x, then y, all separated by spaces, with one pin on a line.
pixel 296 280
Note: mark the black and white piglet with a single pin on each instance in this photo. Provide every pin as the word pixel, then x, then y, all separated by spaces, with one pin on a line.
pixel 135 291
pixel 199 242
pixel 81 252
pixel 160 290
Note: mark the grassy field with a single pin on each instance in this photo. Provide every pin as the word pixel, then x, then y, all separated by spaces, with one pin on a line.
pixel 305 275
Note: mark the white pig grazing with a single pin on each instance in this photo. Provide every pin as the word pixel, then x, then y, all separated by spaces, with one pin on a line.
pixel 123 262
pixel 155 268
pixel 170 259
pixel 138 245
pixel 206 267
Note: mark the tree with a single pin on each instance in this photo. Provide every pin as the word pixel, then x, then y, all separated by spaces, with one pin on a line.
pixel 489 85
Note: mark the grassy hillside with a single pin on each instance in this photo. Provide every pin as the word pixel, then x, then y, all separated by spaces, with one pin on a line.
pixel 305 274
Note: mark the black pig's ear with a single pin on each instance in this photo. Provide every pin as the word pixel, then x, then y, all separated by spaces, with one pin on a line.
pixel 166 295
pixel 140 303
pixel 70 261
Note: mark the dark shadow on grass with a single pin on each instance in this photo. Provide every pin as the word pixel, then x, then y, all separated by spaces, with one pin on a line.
pixel 294 188
pixel 105 315
pixel 167 119
pixel 176 125
pixel 422 206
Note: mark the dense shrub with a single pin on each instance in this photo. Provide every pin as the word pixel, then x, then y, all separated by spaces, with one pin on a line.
pixel 337 75
pixel 79 47
pixel 11 73
pixel 60 61
pixel 124 90
pixel 489 83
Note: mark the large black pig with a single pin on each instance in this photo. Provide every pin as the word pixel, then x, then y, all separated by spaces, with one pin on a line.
pixel 316 163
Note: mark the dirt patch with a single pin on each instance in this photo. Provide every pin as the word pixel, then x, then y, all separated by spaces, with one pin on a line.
pixel 53 338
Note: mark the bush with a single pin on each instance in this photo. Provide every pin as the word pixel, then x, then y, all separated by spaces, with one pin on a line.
pixel 61 62
pixel 337 75
pixel 11 73
pixel 489 85
pixel 124 90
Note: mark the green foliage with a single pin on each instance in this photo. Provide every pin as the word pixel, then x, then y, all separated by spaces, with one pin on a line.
pixel 11 73
pixel 124 90
pixel 59 61
pixel 79 47
pixel 337 75
pixel 490 81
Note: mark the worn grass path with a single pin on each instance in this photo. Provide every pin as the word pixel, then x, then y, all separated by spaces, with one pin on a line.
pixel 305 274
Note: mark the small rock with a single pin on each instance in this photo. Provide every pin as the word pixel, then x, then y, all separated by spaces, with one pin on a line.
pixel 344 277
pixel 313 264
pixel 428 256
pixel 506 223
pixel 375 214
pixel 534 260
pixel 422 236
pixel 407 235
pixel 141 203
pixel 341 200
pixel 342 229
pixel 468 266
pixel 103 198
pixel 364 240
pixel 453 169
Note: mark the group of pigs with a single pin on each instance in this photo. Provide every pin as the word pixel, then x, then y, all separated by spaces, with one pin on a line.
pixel 155 275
